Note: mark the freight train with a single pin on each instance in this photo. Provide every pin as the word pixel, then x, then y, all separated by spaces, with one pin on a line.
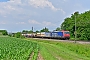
pixel 50 35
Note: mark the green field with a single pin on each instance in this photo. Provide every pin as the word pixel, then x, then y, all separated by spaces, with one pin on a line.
pixel 53 50
pixel 17 49
pixel 27 49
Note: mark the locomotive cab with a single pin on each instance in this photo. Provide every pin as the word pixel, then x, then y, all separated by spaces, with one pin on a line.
pixel 66 34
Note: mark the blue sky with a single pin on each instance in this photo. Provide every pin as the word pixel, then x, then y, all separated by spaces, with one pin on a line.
pixel 18 15
pixel 4 0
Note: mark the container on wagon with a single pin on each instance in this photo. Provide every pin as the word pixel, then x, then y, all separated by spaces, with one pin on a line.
pixel 43 34
pixel 48 34
pixel 38 34
pixel 57 34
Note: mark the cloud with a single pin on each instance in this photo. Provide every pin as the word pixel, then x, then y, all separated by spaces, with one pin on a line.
pixel 19 6
pixel 48 23
pixel 2 22
pixel 43 4
pixel 43 23
pixel 2 12
pixel 9 7
pixel 64 0
pixel 33 22
pixel 16 1
pixel 21 23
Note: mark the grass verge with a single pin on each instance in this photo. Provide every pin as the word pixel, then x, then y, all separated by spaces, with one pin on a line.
pixel 53 50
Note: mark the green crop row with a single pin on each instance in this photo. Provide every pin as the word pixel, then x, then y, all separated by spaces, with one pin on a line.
pixel 16 49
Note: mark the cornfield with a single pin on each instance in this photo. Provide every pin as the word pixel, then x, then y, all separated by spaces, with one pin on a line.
pixel 17 49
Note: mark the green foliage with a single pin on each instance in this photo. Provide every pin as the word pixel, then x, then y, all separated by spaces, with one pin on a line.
pixel 18 34
pixel 27 31
pixel 58 29
pixel 37 31
pixel 10 35
pixel 82 25
pixel 35 52
pixel 4 32
pixel 16 49
pixel 44 30
pixel 30 31
pixel 22 36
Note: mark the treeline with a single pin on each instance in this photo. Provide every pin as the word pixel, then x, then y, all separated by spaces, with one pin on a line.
pixel 3 32
pixel 82 25
pixel 42 30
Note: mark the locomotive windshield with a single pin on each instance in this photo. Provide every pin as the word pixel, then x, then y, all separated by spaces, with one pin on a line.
pixel 66 32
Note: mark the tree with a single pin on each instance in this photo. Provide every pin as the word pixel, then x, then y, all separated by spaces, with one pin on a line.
pixel 58 29
pixel 82 25
pixel 30 31
pixel 25 31
pixel 18 35
pixel 37 31
pixel 44 30
pixel 4 32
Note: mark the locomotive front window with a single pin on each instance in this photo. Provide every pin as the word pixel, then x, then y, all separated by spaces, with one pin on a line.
pixel 66 32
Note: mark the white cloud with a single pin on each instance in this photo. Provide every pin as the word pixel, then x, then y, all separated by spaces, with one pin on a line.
pixel 18 5
pixel 44 23
pixel 48 23
pixel 16 1
pixel 21 23
pixel 33 22
pixel 2 12
pixel 64 0
pixel 9 7
pixel 42 4
pixel 2 22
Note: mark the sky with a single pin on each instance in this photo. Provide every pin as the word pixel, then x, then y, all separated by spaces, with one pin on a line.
pixel 18 15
